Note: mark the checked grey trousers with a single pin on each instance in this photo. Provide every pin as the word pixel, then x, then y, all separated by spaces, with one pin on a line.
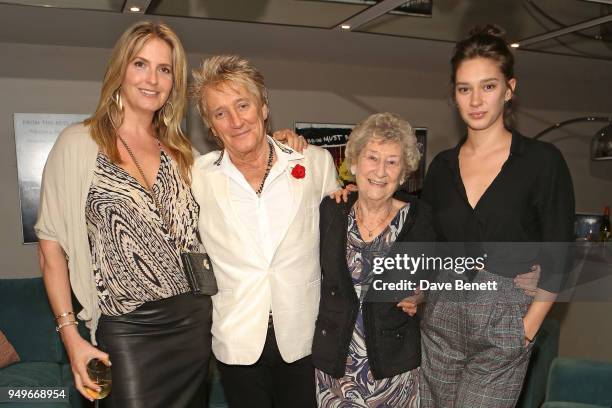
pixel 473 345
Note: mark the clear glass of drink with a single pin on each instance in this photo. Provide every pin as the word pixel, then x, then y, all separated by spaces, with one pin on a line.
pixel 99 373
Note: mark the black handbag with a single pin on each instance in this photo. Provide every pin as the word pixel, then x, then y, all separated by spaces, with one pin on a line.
pixel 199 272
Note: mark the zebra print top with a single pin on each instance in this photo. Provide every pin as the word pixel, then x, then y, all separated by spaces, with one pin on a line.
pixel 132 258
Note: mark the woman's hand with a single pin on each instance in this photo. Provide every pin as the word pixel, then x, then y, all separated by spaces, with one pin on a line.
pixel 537 312
pixel 55 275
pixel 531 327
pixel 342 194
pixel 530 331
pixel 529 281
pixel 409 305
pixel 80 352
pixel 291 139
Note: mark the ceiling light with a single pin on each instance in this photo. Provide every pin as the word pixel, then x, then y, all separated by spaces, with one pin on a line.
pixel 345 27
pixel 515 45
pixel 136 6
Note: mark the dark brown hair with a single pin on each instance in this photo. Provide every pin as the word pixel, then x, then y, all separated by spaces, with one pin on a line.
pixel 486 42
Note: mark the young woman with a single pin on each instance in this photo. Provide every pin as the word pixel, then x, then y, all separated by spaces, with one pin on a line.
pixel 116 211
pixel 494 186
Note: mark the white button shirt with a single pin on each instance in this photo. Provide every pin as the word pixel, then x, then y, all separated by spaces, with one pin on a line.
pixel 264 217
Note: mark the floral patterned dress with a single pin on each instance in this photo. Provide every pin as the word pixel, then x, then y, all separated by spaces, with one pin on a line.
pixel 358 388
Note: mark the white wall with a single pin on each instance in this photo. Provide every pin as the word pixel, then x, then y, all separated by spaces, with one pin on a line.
pixel 61 79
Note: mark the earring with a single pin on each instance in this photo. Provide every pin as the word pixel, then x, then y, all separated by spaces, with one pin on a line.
pixel 115 109
pixel 167 116
pixel 353 169
pixel 117 99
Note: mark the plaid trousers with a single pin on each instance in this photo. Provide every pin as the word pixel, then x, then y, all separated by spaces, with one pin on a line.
pixel 473 347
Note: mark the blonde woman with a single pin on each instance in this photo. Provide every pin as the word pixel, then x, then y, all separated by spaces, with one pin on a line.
pixel 116 211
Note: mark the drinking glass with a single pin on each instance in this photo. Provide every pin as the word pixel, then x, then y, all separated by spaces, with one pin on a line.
pixel 99 373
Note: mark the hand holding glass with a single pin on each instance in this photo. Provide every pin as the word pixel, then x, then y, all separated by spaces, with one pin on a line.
pixel 99 373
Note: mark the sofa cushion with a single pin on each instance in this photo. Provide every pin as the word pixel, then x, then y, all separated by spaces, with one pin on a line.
pixel 66 373
pixel 8 355
pixel 580 381
pixel 27 320
pixel 31 375
pixel 559 404
pixel 37 375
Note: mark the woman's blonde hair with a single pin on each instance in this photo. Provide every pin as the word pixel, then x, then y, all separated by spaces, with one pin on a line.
pixel 108 116
pixel 385 127
pixel 226 70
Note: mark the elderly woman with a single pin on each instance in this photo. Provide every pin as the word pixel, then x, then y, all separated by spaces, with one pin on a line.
pixel 368 353
pixel 259 223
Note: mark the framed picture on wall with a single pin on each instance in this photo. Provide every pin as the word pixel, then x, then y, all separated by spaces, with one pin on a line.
pixel 333 137
pixel 35 134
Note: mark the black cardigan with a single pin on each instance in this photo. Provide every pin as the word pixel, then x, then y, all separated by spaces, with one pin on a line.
pixel 393 340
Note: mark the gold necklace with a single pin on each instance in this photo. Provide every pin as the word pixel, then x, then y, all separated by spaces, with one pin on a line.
pixel 359 219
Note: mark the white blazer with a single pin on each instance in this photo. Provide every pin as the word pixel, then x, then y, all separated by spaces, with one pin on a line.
pixel 250 285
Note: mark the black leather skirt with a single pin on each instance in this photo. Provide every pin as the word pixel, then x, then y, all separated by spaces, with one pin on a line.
pixel 159 353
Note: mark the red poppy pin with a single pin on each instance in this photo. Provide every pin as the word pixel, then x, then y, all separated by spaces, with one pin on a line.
pixel 299 171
